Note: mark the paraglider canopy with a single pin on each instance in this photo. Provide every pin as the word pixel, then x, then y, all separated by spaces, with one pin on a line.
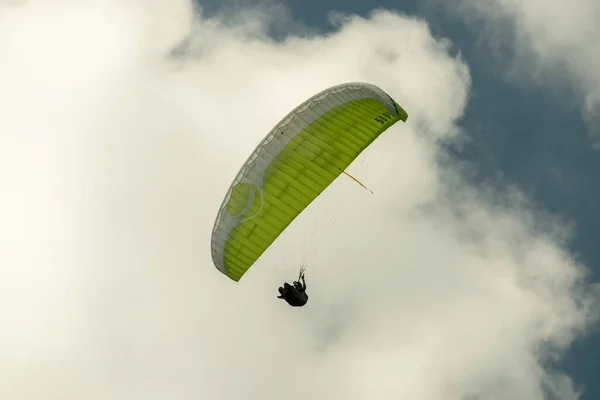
pixel 301 156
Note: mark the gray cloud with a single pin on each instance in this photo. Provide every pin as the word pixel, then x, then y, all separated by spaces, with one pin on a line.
pixel 555 46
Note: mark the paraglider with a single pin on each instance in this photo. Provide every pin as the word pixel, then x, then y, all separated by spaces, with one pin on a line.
pixel 301 156
pixel 295 295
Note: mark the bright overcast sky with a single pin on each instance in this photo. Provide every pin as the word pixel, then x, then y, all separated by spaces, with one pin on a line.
pixel 116 151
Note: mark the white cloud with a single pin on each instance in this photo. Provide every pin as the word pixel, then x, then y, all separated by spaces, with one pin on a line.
pixel 115 157
pixel 554 43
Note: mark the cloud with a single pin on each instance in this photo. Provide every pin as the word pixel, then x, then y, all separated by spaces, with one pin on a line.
pixel 116 153
pixel 550 44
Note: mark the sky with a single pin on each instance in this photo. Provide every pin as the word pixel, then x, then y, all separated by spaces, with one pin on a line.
pixel 470 273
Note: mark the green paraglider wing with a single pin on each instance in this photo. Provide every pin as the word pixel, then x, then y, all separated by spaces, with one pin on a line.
pixel 293 164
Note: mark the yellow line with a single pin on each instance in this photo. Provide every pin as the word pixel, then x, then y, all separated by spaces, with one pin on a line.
pixel 357 181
